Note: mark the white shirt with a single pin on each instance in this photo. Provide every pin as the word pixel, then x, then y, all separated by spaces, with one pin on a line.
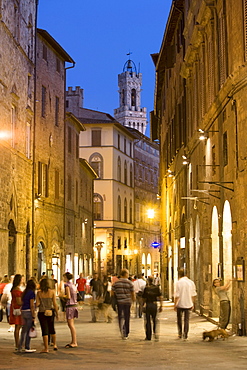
pixel 7 290
pixel 139 285
pixel 185 289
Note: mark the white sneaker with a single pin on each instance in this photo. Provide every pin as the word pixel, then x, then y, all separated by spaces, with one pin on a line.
pixel 30 350
pixel 11 329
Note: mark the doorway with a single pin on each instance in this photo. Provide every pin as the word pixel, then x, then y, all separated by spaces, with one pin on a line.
pixel 12 249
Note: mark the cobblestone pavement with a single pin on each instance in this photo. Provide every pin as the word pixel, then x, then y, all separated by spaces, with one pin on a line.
pixel 100 347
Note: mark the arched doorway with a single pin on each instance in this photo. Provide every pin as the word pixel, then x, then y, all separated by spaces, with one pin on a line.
pixel 143 264
pixel 149 264
pixel 215 243
pixel 12 249
pixel 215 257
pixel 41 259
pixel 227 245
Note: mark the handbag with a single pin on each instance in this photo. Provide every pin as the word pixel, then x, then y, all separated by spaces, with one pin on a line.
pixel 48 312
pixel 33 332
pixel 16 311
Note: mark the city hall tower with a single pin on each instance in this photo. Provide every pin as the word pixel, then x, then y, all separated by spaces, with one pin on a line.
pixel 130 113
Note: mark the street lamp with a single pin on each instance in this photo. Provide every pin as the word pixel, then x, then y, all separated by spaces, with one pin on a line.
pixel 99 246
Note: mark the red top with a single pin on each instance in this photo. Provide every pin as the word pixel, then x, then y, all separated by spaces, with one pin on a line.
pixel 15 319
pixel 81 282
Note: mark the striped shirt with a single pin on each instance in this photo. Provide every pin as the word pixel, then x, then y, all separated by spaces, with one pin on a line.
pixel 123 288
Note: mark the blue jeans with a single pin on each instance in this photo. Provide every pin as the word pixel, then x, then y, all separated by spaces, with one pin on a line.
pixel 27 324
pixel 124 318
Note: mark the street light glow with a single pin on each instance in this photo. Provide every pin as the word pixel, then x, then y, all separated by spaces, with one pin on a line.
pixel 5 135
pixel 150 213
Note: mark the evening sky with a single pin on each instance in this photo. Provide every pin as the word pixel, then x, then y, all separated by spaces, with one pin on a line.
pixel 98 35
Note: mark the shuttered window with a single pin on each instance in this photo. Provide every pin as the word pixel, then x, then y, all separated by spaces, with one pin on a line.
pixel 96 137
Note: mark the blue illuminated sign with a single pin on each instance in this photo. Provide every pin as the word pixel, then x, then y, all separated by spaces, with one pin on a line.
pixel 155 245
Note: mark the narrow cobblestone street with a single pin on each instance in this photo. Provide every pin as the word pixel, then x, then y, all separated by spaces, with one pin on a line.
pixel 101 347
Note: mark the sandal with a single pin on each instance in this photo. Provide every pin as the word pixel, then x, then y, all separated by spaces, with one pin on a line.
pixel 70 346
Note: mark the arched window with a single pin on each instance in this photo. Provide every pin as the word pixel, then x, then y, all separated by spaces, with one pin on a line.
pixel 119 208
pixel 97 207
pixel 96 162
pixel 125 211
pixel 133 97
pixel 137 127
pixel 119 169
pixel 125 173
pixel 130 211
pixel 131 175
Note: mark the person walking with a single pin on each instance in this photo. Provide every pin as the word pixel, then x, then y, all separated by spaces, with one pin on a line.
pixel 81 283
pixel 185 293
pixel 28 315
pixel 15 308
pixel 107 285
pixel 71 309
pixel 225 304
pixel 139 286
pixel 124 291
pixel 96 291
pixel 46 301
pixel 150 296
pixel 6 300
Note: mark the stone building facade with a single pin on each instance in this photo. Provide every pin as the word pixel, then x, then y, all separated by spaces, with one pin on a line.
pixel 147 205
pixel 49 142
pixel 146 170
pixel 35 162
pixel 108 148
pixel 200 104
pixel 78 203
pixel 127 164
pixel 17 45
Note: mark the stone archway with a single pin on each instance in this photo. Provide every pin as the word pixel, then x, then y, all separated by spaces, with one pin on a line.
pixel 227 245
pixel 215 257
pixel 12 248
pixel 41 259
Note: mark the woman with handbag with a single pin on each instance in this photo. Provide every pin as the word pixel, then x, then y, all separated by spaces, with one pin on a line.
pixel 71 309
pixel 15 308
pixel 46 301
pixel 28 315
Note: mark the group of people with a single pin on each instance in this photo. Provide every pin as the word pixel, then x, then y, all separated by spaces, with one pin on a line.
pixel 22 300
pixel 119 292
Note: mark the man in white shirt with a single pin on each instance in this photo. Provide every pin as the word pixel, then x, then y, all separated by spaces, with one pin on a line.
pixel 139 286
pixel 185 293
